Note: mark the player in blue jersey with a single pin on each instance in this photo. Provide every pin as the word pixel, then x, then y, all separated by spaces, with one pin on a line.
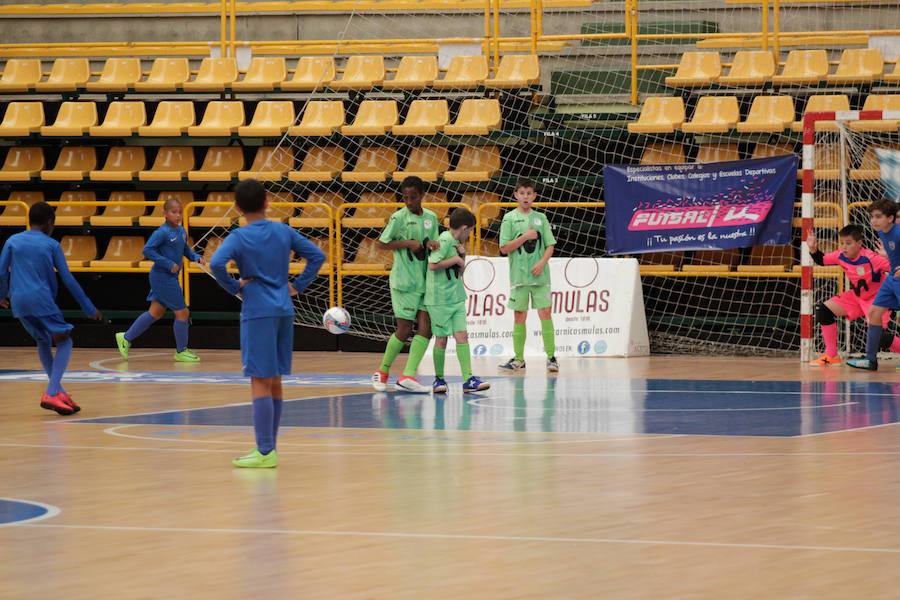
pixel 28 266
pixel 166 248
pixel 261 251
pixel 882 214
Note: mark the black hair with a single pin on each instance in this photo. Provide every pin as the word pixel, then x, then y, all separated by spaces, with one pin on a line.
pixel 41 214
pixel 525 182
pixel 413 182
pixel 886 207
pixel 461 217
pixel 852 230
pixel 250 196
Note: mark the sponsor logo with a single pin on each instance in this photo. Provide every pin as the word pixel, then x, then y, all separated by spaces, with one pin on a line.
pixel 579 275
pixel 600 347
pixel 479 269
pixel 579 301
pixel 427 223
pixel 584 347
pixel 479 350
pixel 496 349
pixel 699 216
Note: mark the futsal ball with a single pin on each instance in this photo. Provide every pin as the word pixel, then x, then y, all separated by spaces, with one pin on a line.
pixel 336 320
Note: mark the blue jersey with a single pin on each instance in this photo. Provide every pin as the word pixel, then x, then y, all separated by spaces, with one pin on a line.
pixel 167 246
pixel 28 266
pixel 891 241
pixel 262 252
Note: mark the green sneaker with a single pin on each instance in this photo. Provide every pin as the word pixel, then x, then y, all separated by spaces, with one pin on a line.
pixel 186 356
pixel 255 460
pixel 123 344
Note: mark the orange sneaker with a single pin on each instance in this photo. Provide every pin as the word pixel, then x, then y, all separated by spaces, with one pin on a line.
pixel 66 398
pixel 56 403
pixel 825 360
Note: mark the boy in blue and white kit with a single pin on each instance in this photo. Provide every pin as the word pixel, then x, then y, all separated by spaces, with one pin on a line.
pixel 28 279
pixel 166 248
pixel 261 249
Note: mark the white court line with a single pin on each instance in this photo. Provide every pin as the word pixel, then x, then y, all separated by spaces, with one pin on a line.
pixel 97 365
pixel 806 435
pixel 472 537
pixel 475 402
pixel 52 511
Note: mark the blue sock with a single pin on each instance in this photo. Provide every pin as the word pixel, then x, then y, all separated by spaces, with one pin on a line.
pixel 276 417
pixel 873 339
pixel 263 420
pixel 60 362
pixel 181 335
pixel 140 325
pixel 45 353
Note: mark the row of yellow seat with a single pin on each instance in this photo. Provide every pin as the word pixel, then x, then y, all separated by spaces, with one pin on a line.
pixel 768 114
pixel 272 118
pixel 225 163
pixel 762 259
pixel 267 74
pixel 802 67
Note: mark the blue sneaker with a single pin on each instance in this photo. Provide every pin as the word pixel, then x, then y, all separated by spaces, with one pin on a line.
pixel 473 384
pixel 439 386
pixel 863 363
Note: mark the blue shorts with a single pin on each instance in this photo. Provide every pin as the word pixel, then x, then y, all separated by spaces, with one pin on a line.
pixel 267 344
pixel 164 289
pixel 45 327
pixel 888 295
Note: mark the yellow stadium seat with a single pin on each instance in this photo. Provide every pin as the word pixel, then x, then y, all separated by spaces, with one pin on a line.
pixel 215 75
pixel 312 73
pixel 414 73
pixel 714 114
pixel 122 251
pixel 73 120
pixel 271 119
pixel 711 261
pixel 858 65
pixel 870 167
pixel 222 163
pixel 157 216
pixel 425 117
pixel 660 262
pixel 369 257
pixel 17 216
pixel 375 117
pixel 879 102
pixel 119 215
pixel 216 216
pixel 172 163
pixel 803 67
pixel 516 71
pixel 769 259
pixel 22 119
pixel 828 162
pixel 425 162
pixel 717 153
pixel 69 214
pixel 263 75
pixel 317 216
pixel 371 216
pixel 696 69
pixel 270 164
pixel 74 164
pixel 222 118
pixel 769 114
pixel 212 244
pixel 320 164
pixel 464 73
pixel 321 118
pixel 118 75
pixel 490 248
pixel 22 164
pixel 476 117
pixel 172 119
pixel 659 153
pixel 750 67
pixel 280 213
pixel 122 120
pixel 166 75
pixel 762 150
pixel 823 104
pixel 893 77
pixel 475 200
pixel 437 203
pixel 66 75
pixel 298 265
pixel 374 164
pixel 79 250
pixel 659 115
pixel 122 164
pixel 361 73
pixel 20 74
pixel 476 163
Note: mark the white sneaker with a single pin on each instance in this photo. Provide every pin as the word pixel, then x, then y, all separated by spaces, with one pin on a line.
pixel 379 381
pixel 411 384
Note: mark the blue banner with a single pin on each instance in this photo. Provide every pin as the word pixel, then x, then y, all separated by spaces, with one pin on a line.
pixel 699 206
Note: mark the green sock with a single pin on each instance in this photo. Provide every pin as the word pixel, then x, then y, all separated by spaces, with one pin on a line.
pixel 549 337
pixel 394 347
pixel 416 351
pixel 465 360
pixel 519 340
pixel 439 355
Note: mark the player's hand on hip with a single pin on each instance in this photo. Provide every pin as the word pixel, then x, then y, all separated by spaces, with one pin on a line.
pixel 244 282
pixel 292 290
pixel 4 302
pixel 175 268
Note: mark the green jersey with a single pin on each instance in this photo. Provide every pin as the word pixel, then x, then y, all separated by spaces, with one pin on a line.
pixel 523 258
pixel 408 272
pixel 444 287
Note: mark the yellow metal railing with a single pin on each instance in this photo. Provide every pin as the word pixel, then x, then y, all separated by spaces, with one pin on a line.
pixel 7 203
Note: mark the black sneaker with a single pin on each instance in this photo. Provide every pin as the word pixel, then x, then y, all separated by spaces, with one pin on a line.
pixel 513 364
pixel 552 365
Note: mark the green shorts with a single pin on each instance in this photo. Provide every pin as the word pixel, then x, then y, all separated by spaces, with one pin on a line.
pixel 447 319
pixel 407 304
pixel 539 294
